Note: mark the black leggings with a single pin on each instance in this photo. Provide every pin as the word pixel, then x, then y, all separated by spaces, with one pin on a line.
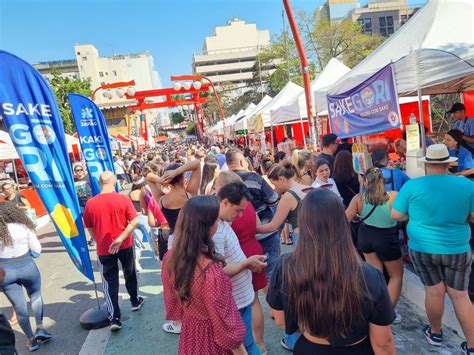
pixel 303 347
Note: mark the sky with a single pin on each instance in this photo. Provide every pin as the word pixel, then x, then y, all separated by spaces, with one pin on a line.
pixel 172 30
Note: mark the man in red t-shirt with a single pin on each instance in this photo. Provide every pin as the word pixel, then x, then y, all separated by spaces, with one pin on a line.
pixel 111 218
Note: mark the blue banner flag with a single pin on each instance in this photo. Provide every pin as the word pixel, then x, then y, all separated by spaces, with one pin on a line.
pixel 370 107
pixel 31 115
pixel 94 138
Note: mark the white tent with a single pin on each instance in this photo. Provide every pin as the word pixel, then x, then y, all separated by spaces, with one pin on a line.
pixel 296 109
pixel 7 149
pixel 238 125
pixel 433 51
pixel 289 92
pixel 242 124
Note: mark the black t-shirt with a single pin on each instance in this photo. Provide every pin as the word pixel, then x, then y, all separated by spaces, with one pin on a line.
pixel 377 306
pixel 348 190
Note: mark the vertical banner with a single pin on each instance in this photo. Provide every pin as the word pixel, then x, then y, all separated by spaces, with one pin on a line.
pixel 370 107
pixel 93 137
pixel 32 117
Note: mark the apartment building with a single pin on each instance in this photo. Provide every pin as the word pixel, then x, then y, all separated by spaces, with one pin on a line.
pixel 382 17
pixel 228 56
pixel 335 10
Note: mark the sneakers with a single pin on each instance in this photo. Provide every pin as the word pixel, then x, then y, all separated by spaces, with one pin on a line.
pixel 465 349
pixel 435 339
pixel 33 345
pixel 138 267
pixel 42 335
pixel 115 325
pixel 169 327
pixel 136 306
pixel 398 318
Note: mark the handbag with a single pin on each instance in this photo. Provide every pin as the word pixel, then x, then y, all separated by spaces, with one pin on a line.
pixel 161 243
pixel 355 224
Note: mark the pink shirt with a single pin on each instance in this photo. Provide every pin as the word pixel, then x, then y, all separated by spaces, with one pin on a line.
pixel 154 207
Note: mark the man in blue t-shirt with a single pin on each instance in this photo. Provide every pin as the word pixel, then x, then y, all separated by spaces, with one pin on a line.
pixel 463 123
pixel 438 208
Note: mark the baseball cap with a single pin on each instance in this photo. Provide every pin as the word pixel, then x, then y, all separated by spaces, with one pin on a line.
pixel 457 107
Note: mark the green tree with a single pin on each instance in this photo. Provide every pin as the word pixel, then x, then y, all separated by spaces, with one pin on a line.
pixel 177 118
pixel 191 128
pixel 325 40
pixel 61 87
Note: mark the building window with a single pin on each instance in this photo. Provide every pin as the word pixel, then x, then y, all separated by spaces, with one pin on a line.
pixel 390 31
pixel 84 59
pixel 383 31
pixel 102 83
pixel 360 21
pixel 101 74
pixel 114 72
pixel 368 32
pixel 368 22
pixel 106 74
pixel 74 76
pixel 382 21
pixel 390 20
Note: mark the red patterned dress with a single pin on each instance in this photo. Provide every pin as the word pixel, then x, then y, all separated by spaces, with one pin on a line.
pixel 211 322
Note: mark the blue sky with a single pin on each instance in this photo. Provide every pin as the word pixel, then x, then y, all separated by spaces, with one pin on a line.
pixel 45 30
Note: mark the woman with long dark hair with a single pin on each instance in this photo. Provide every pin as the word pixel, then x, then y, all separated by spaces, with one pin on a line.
pixel 18 242
pixel 210 170
pixel 377 236
pixel 339 303
pixel 346 179
pixel 196 289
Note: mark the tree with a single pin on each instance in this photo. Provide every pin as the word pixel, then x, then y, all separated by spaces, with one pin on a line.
pixel 191 128
pixel 177 118
pixel 325 40
pixel 61 87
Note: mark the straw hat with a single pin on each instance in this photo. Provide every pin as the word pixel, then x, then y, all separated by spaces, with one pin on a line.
pixel 437 154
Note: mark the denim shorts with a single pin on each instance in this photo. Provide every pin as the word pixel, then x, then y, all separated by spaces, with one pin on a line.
pixel 452 269
pixel 271 248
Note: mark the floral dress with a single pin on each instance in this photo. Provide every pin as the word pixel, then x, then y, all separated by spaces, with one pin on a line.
pixel 211 322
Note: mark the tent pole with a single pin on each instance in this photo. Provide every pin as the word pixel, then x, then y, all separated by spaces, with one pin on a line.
pixel 420 105
pixel 271 138
pixel 302 132
pixel 16 174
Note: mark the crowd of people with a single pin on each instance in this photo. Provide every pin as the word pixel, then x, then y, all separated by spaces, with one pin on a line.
pixel 216 217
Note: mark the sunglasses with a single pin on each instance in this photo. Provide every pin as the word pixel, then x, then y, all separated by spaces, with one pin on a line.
pixel 77 170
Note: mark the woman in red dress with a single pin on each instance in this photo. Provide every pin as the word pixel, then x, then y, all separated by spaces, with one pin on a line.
pixel 196 289
pixel 245 227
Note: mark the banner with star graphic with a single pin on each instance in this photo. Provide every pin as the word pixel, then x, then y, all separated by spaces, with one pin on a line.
pixel 31 115
pixel 93 137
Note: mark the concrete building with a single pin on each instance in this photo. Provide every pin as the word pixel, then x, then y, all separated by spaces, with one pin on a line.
pixel 335 10
pixel 67 68
pixel 382 17
pixel 121 68
pixel 228 56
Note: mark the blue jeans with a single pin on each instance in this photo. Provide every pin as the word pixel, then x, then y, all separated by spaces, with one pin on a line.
pixel 271 247
pixel 249 341
pixel 295 236
pixel 22 272
pixel 141 234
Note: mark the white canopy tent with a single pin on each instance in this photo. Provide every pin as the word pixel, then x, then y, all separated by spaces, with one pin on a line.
pixel 432 52
pixel 7 149
pixel 242 124
pixel 238 125
pixel 296 109
pixel 289 92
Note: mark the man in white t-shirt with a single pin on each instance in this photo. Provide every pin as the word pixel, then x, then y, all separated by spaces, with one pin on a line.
pixel 119 168
pixel 234 199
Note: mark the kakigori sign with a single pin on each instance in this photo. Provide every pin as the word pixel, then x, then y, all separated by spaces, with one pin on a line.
pixel 370 107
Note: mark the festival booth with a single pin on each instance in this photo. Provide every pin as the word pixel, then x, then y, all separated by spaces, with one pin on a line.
pixel 430 54
pixel 294 116
pixel 240 126
pixel 9 157
pixel 259 123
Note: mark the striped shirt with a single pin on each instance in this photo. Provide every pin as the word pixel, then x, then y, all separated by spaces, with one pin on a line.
pixel 227 245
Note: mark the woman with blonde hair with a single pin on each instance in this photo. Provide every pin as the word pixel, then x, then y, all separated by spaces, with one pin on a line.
pixel 377 235
pixel 302 160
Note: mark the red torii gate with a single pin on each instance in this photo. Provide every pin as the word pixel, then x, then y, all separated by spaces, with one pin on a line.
pixel 195 99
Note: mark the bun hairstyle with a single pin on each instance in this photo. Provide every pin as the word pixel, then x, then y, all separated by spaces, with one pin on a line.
pixel 300 157
pixel 286 169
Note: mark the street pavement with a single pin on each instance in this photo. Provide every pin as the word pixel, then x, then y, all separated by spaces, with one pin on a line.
pixel 67 294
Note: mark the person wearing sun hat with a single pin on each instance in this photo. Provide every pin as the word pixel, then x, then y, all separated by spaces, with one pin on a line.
pixel 438 208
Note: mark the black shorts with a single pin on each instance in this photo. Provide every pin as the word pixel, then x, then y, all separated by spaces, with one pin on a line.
pixel 381 241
